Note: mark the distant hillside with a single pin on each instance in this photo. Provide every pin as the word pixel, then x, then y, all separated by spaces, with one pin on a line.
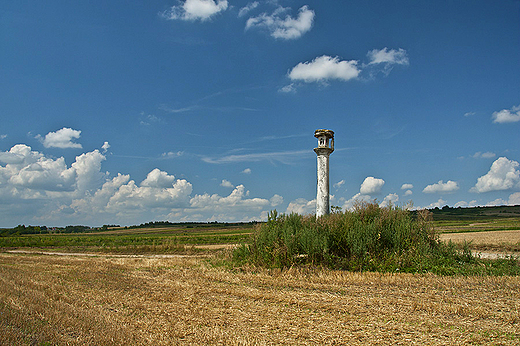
pixel 448 213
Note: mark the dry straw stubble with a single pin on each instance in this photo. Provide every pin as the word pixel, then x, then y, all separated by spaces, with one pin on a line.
pixel 165 301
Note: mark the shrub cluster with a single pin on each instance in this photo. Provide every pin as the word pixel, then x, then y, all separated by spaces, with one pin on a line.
pixel 369 237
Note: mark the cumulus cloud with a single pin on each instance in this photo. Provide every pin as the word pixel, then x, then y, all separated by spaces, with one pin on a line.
pixel 158 190
pixel 62 138
pixel 234 206
pixel 226 183
pixel 371 186
pixel 391 199
pixel 192 10
pixel 514 199
pixel 246 171
pixel 472 203
pixel 60 194
pixel 31 170
pixel 276 200
pixel 442 187
pixel 440 203
pixel 301 206
pixel 503 175
pixel 286 28
pixel 357 198
pixel 507 115
pixel 325 68
pixel 406 186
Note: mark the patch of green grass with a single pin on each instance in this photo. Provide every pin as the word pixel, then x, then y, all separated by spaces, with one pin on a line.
pixel 369 238
pixel 126 242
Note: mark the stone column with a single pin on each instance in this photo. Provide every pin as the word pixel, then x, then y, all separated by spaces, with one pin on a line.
pixel 323 151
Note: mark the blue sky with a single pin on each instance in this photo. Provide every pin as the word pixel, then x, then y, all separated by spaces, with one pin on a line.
pixel 127 112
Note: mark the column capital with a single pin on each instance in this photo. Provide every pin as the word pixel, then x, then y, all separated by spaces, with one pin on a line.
pixel 323 151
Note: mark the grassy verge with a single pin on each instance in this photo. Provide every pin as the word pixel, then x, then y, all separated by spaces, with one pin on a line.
pixel 369 238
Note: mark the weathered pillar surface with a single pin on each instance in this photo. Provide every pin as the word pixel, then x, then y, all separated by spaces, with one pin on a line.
pixel 325 137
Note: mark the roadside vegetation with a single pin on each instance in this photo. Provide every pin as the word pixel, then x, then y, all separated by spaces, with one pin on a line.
pixel 368 238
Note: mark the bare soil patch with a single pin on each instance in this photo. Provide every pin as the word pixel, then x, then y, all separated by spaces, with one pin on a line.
pixel 67 300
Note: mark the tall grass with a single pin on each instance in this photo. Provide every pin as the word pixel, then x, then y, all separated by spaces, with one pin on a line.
pixel 370 237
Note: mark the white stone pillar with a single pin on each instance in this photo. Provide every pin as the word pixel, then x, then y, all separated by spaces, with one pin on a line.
pixel 325 137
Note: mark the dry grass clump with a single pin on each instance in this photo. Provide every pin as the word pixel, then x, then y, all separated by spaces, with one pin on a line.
pixel 158 301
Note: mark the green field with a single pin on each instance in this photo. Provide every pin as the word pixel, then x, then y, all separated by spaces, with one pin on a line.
pixel 133 240
pixel 164 237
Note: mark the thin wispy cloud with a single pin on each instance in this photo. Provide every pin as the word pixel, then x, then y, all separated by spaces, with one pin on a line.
pixel 285 157
pixel 248 8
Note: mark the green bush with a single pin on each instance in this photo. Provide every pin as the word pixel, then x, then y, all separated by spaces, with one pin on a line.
pixel 370 237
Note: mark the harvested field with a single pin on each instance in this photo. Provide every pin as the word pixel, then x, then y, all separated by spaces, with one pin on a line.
pixel 505 242
pixel 168 301
pixel 489 237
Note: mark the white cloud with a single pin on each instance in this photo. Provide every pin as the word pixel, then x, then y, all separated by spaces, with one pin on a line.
pixel 44 189
pixel 276 200
pixel 284 28
pixel 246 171
pixel 193 10
pixel 391 199
pixel 232 207
pixel 226 183
pixel 371 186
pixel 325 68
pixel 507 115
pixel 280 156
pixel 105 147
pixel 408 192
pixel 88 170
pixel 384 60
pixel 31 170
pixel 439 204
pixel 171 154
pixel 406 186
pixel 503 175
pixel 301 206
pixel 290 88
pixel 486 155
pixel 466 204
pixel 440 187
pixel 349 204
pixel 339 184
pixel 158 190
pixel 388 57
pixel 514 199
pixel 246 9
pixel 62 138
pixel 469 114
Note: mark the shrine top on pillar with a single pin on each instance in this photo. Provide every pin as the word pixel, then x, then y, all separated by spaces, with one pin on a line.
pixel 325 140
